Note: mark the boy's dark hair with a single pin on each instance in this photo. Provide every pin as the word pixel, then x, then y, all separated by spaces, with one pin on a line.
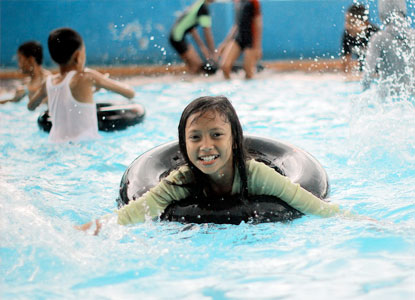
pixel 62 44
pixel 224 107
pixel 32 49
pixel 358 11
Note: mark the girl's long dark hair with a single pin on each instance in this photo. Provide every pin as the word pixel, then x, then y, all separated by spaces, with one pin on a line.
pixel 224 107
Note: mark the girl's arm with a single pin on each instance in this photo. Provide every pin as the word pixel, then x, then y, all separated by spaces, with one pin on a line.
pixel 151 204
pixel 102 81
pixel 155 201
pixel 264 180
pixel 36 98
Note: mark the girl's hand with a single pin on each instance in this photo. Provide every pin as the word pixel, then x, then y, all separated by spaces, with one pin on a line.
pixel 89 225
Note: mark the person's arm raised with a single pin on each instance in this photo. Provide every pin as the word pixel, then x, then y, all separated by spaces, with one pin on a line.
pixel 102 81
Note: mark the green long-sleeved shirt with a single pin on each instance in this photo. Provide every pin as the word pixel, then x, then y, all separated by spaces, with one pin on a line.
pixel 197 14
pixel 262 180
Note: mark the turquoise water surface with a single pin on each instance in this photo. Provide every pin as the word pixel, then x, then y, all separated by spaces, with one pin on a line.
pixel 366 145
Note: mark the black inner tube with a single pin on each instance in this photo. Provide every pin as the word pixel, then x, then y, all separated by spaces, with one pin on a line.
pixel 210 67
pixel 230 210
pixel 151 167
pixel 111 116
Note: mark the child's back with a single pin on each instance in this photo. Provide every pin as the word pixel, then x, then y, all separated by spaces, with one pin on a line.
pixel 72 120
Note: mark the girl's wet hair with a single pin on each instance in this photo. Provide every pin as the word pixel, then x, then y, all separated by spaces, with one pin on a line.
pixel 62 44
pixel 32 49
pixel 224 107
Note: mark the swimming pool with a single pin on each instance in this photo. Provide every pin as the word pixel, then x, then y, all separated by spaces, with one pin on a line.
pixel 366 146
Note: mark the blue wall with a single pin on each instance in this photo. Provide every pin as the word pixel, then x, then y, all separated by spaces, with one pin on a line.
pixel 135 31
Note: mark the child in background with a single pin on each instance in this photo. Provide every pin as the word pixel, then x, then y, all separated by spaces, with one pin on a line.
pixel 245 36
pixel 211 141
pixel 197 14
pixel 70 92
pixel 30 58
pixel 357 33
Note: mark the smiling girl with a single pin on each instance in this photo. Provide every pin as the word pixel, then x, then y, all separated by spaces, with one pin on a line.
pixel 212 144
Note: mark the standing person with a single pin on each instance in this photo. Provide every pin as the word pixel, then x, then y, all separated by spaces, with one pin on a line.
pixel 30 58
pixel 357 33
pixel 245 36
pixel 194 16
pixel 391 51
pixel 212 143
pixel 70 92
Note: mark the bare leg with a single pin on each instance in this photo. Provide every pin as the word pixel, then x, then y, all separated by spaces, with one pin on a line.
pixel 250 62
pixel 192 60
pixel 231 54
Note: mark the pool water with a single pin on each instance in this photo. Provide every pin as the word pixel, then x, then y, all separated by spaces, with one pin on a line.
pixel 366 145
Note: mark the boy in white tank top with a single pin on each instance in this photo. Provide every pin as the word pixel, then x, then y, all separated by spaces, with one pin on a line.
pixel 70 92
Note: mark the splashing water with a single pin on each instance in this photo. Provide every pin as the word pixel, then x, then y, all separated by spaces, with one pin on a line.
pixel 365 144
pixel 383 127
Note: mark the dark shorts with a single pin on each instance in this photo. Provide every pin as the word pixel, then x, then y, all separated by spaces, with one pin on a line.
pixel 180 46
pixel 244 40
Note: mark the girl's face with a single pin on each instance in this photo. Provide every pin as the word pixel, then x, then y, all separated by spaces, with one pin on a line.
pixel 209 144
